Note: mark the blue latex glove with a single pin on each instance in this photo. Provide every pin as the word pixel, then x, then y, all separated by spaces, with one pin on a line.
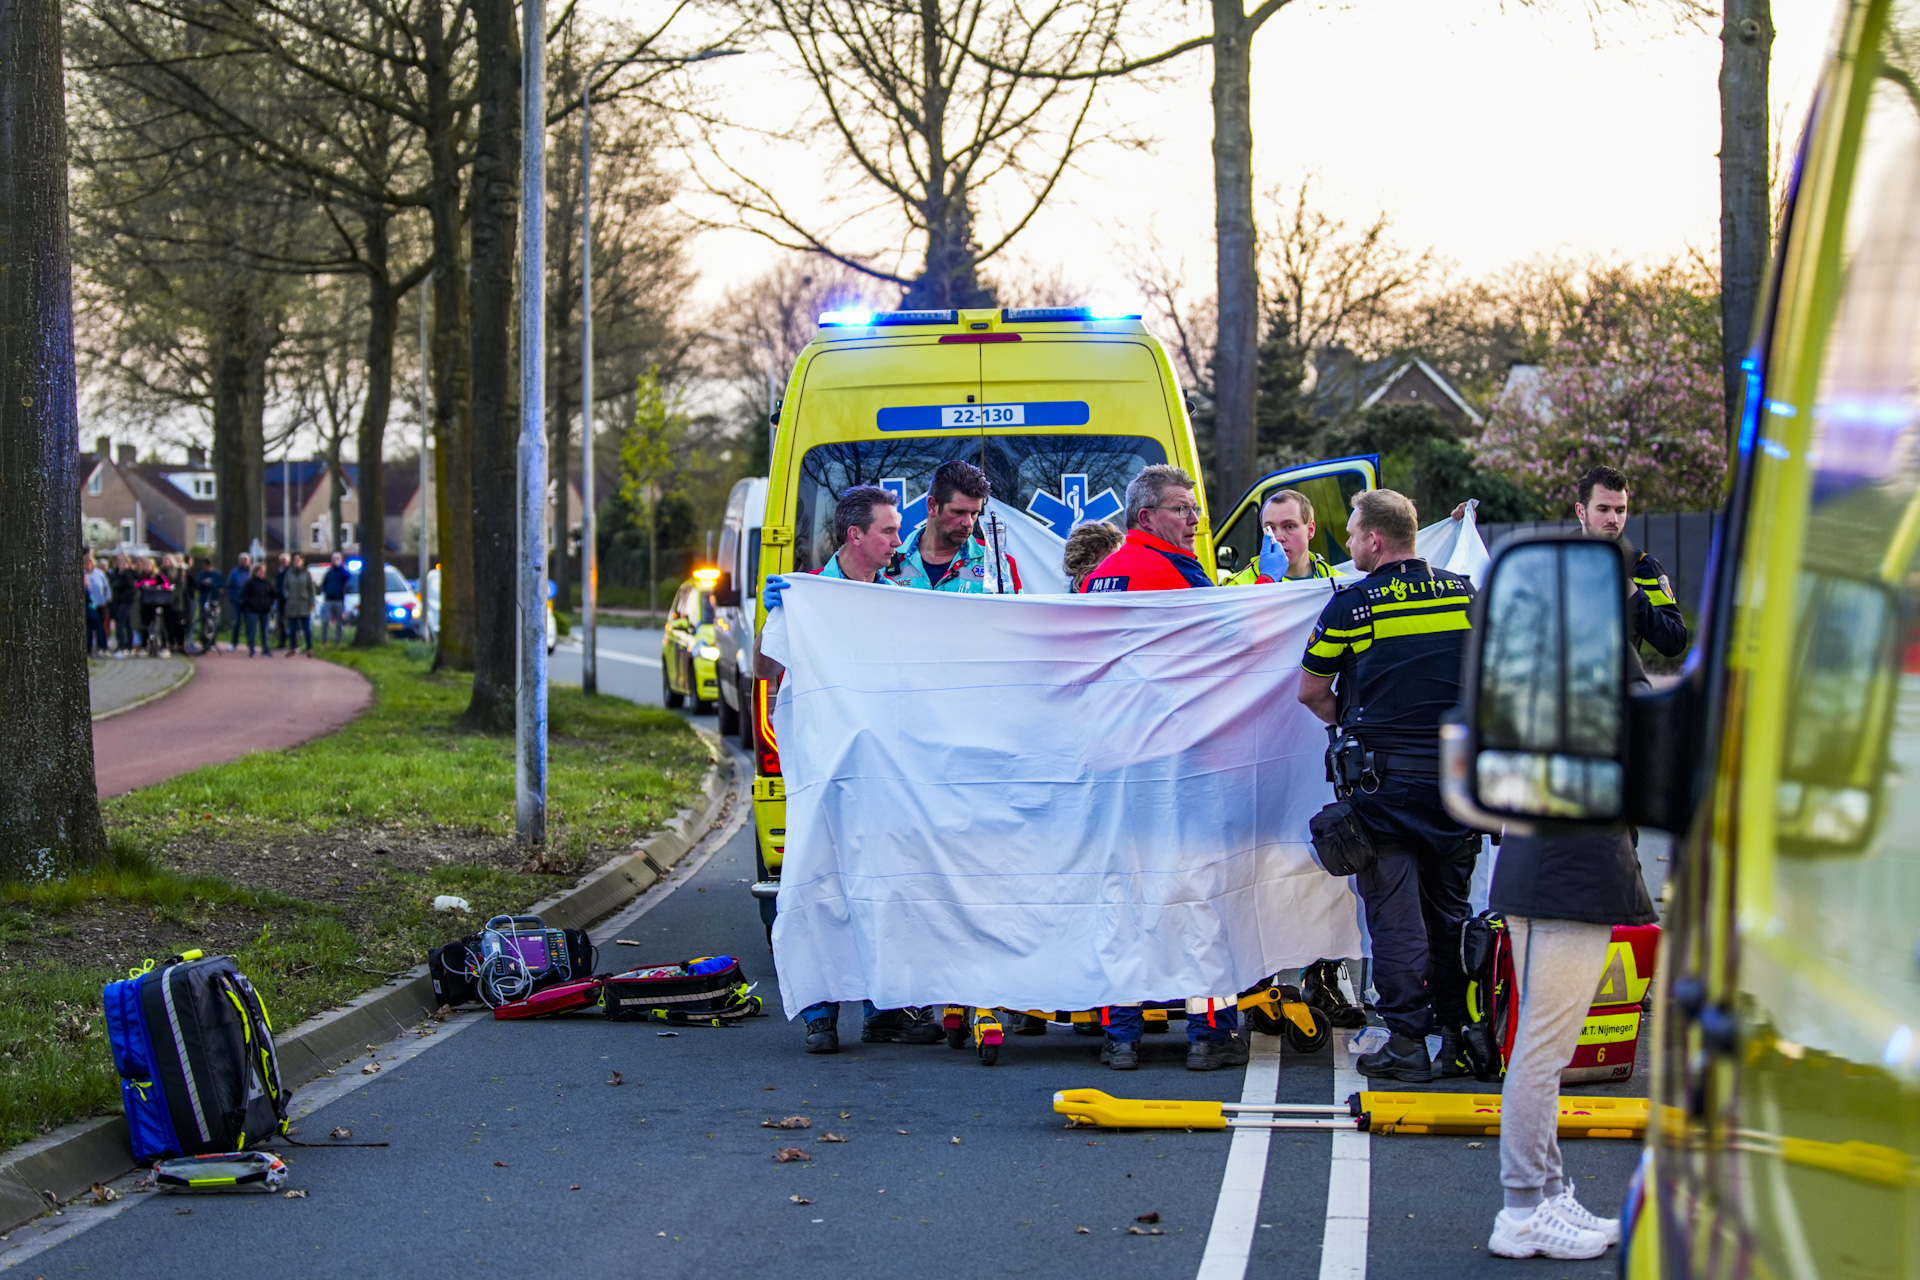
pixel 1273 560
pixel 770 594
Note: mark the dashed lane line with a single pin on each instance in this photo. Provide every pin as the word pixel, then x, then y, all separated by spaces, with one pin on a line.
pixel 1230 1240
pixel 1343 1247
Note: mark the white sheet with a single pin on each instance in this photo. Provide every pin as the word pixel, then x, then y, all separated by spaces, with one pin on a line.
pixel 1046 801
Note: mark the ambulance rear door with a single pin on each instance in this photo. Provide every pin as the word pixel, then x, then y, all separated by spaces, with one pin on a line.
pixel 1068 421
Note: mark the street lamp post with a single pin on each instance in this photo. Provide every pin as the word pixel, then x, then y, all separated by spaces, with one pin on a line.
pixel 530 704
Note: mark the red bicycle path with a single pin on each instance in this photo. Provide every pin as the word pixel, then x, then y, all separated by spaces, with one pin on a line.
pixel 234 705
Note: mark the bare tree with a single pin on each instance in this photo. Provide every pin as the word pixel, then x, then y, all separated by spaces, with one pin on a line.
pixel 1746 44
pixel 49 816
pixel 936 104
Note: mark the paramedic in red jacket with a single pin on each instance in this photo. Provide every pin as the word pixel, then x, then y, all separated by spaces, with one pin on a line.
pixel 1163 515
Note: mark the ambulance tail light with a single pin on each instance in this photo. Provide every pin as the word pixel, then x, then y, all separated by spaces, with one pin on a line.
pixel 766 750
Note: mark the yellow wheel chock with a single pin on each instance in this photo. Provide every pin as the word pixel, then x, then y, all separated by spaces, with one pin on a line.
pixel 1466 1114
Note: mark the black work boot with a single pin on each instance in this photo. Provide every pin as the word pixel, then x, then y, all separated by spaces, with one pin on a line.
pixel 1121 1055
pixel 1026 1024
pixel 1405 1058
pixel 1211 1055
pixel 1452 1062
pixel 823 1035
pixel 1321 982
pixel 902 1026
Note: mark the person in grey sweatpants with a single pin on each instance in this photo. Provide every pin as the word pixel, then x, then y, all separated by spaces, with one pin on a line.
pixel 1561 894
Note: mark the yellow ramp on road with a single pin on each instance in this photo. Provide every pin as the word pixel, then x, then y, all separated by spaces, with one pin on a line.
pixel 1474 1114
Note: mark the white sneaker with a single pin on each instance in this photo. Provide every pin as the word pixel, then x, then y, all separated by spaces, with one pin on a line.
pixel 1542 1233
pixel 1580 1216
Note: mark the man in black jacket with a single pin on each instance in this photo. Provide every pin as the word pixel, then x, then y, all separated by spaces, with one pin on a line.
pixel 1602 512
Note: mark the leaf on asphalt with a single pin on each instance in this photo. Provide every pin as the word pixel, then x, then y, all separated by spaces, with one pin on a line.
pixel 1083 1231
pixel 1476 1146
pixel 954 1140
pixel 901 1132
pixel 846 1115
pixel 181 1213
pixel 499 1164
pixel 799 1199
pixel 371 1069
pixel 787 1155
pixel 441 1014
pixel 791 1122
pixel 373 1051
pixel 1146 1231
pixel 770 1088
pixel 616 1079
pixel 574 1187
pixel 293 1195
pixel 341 1133
pixel 103 1194
pixel 666 1035
pixel 1149 1217
pixel 829 1137
pixel 625 942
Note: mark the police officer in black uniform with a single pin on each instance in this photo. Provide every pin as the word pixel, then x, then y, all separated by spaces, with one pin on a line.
pixel 1383 666
pixel 1602 512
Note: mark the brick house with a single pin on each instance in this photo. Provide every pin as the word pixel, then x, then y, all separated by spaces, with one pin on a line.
pixel 152 505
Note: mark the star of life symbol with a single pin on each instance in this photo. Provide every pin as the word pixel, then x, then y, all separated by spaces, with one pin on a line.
pixel 912 514
pixel 1074 507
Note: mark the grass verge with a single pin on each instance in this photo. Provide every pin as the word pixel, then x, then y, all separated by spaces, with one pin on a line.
pixel 316 868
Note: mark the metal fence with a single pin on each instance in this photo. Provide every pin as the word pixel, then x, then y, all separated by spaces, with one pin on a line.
pixel 1679 540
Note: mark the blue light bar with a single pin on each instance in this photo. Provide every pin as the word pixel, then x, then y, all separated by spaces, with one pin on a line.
pixel 1044 315
pixel 875 319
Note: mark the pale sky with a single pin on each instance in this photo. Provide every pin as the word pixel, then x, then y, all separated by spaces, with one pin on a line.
pixel 1489 132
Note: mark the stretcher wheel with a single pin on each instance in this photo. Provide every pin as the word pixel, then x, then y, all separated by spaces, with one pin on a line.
pixel 1299 1041
pixel 989 1054
pixel 956 1037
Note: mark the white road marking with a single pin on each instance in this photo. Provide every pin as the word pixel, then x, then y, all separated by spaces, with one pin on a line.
pixel 1230 1240
pixel 614 655
pixel 1343 1247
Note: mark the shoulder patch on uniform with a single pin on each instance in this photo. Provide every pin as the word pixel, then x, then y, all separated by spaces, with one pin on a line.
pixel 1113 582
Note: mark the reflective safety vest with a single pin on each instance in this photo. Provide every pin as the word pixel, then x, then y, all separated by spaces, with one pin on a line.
pixel 1251 575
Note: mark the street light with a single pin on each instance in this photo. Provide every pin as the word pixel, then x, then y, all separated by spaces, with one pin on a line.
pixel 530 701
pixel 589 518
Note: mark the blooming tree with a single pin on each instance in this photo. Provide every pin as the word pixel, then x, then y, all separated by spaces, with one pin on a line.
pixel 1633 388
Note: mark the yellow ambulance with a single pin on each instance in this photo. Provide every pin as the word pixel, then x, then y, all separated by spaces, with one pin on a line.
pixel 1785 1139
pixel 1060 406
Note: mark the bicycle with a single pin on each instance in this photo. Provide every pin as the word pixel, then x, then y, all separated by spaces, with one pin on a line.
pixel 204 636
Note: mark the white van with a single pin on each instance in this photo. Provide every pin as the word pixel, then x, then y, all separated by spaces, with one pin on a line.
pixel 739 567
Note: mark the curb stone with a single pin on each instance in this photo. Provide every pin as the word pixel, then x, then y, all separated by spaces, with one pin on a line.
pixel 62 1165
pixel 155 696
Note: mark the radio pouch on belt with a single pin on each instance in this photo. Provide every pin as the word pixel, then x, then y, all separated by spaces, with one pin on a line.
pixel 1344 846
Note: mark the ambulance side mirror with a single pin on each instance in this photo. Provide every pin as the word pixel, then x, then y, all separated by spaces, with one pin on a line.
pixel 1542 733
pixel 725 594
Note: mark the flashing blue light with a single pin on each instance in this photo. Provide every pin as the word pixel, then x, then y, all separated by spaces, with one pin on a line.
pixel 1775 450
pixel 549 589
pixel 353 566
pixel 1111 313
pixel 1781 409
pixel 849 319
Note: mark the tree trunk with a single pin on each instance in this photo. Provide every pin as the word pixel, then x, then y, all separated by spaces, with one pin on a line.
pixel 236 509
pixel 560 460
pixel 494 225
pixel 452 375
pixel 383 315
pixel 336 490
pixel 563 289
pixel 1236 352
pixel 49 817
pixel 1746 47
pixel 261 339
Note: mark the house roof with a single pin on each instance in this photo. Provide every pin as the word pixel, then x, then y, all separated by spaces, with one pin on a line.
pixel 155 476
pixel 1433 375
